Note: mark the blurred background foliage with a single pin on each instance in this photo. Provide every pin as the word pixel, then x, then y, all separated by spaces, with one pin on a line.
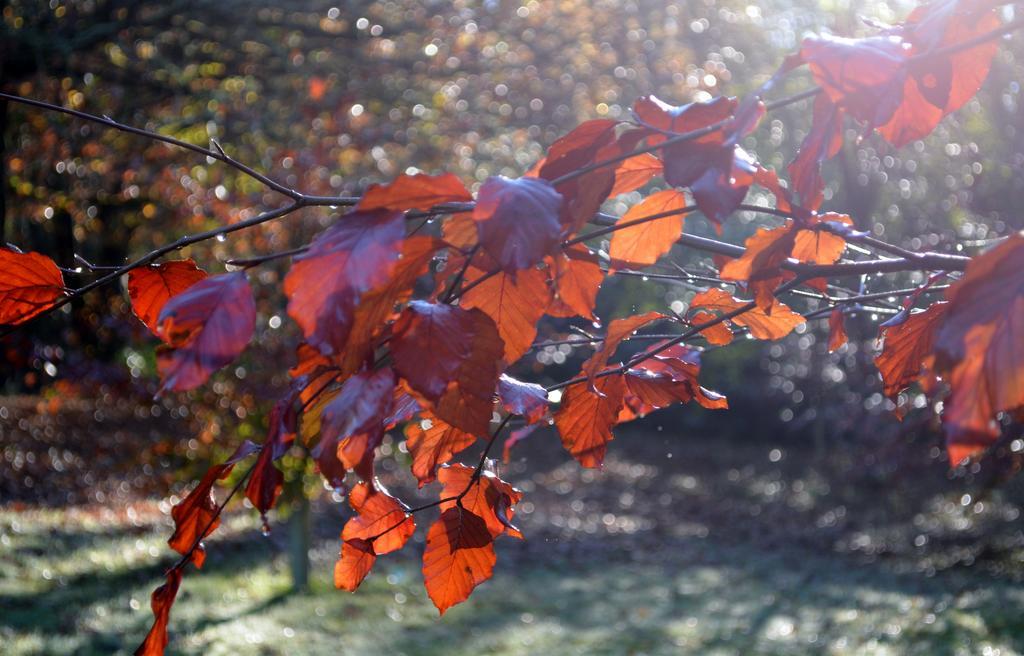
pixel 330 97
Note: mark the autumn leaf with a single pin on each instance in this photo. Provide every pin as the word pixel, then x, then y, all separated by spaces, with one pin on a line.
pixel 816 244
pixel 195 517
pixel 520 398
pixel 266 481
pixel 671 376
pixel 150 287
pixel 836 330
pixel 618 330
pixel 774 323
pixel 431 443
pixel 517 221
pixel 352 424
pixel 577 279
pixel 765 251
pixel 586 418
pixel 381 525
pixel 643 242
pixel 906 345
pixel 488 497
pixel 206 327
pixel 30 283
pixel 635 172
pixel 822 143
pixel 717 334
pixel 978 343
pixel 452 357
pixel 161 602
pixel 515 304
pixel 349 259
pixel 414 192
pixel 458 557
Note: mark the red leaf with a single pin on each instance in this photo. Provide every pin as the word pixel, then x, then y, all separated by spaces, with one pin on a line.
pixel 766 250
pixel 517 221
pixel 669 377
pixel 527 399
pixel 195 516
pixel 635 172
pixel 718 334
pixel 207 326
pixel 161 602
pixel 266 481
pixel 431 443
pixel 352 424
pixel 642 244
pixel 414 192
pixel 586 418
pixel 775 323
pixel 458 557
pixel 577 280
pixel 819 246
pixel 452 357
pixel 823 142
pixel 150 288
pixel 618 330
pixel 907 344
pixel 489 497
pixel 514 438
pixel 978 343
pixel 836 330
pixel 514 303
pixel 30 283
pixel 382 525
pixel 326 283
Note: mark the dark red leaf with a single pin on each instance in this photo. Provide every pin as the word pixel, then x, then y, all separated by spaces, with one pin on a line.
pixel 352 424
pixel 161 602
pixel 519 398
pixel 206 327
pixel 517 221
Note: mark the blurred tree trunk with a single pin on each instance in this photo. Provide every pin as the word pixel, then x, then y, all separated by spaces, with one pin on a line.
pixel 299 538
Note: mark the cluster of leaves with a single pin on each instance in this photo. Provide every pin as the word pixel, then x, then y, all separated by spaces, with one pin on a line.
pixel 405 325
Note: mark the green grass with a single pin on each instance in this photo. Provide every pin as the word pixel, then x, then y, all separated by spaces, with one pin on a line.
pixel 75 583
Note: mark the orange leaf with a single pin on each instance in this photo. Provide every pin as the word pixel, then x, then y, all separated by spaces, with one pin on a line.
pixel 586 418
pixel 836 330
pixel 635 172
pixel 206 327
pixel 766 250
pixel 452 357
pixel 458 557
pixel 431 443
pixel 907 344
pixel 30 283
pixel 414 192
pixel 381 525
pixel 195 516
pixel 517 221
pixel 150 287
pixel 642 244
pixel 577 281
pixel 773 324
pixel 718 334
pixel 514 303
pixel 161 602
pixel 489 497
pixel 978 343
pixel 326 283
pixel 618 330
pixel 671 376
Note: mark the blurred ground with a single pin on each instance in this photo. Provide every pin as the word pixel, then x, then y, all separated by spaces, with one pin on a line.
pixel 692 544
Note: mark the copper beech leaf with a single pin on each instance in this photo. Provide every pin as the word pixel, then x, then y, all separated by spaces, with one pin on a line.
pixel 266 481
pixel 206 327
pixel 517 221
pixel 577 279
pixel 414 192
pixel 352 424
pixel 640 241
pixel 326 283
pixel 451 357
pixel 381 525
pixel 978 347
pixel 775 323
pixel 520 398
pixel 836 330
pixel 906 346
pixel 670 376
pixel 618 330
pixel 459 556
pixel 30 283
pixel 635 172
pixel 431 443
pixel 150 287
pixel 161 602
pixel 587 416
pixel 488 497
pixel 514 303
pixel 195 517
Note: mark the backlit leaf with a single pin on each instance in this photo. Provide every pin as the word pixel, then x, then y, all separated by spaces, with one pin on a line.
pixel 150 287
pixel 458 557
pixel 642 244
pixel 517 221
pixel 30 283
